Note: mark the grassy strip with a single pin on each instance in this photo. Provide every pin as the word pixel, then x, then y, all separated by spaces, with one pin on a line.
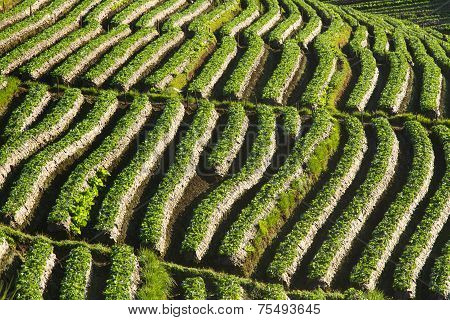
pixel 7 92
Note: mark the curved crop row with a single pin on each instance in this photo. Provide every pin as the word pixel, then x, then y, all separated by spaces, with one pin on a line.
pixel 41 64
pixel 35 271
pixel 421 242
pixel 439 284
pixel 211 211
pixel 291 121
pixel 132 11
pixel 128 186
pixel 339 239
pixel 387 233
pixel 190 53
pixel 243 20
pixel 214 68
pixel 178 19
pixel 20 11
pixel 229 288
pixel 54 123
pixel 45 38
pixel 123 280
pixel 312 27
pixel 140 65
pixel 105 9
pixel 243 229
pixel 279 81
pixel 394 92
pixel 71 211
pixel 18 32
pixel 76 63
pixel 154 16
pixel 293 248
pixel 41 169
pixel 230 141
pixel 239 79
pixel 326 46
pixel 214 19
pixel 368 77
pixel 432 79
pixel 120 54
pixel 154 229
pixel 284 29
pixel 25 114
pixel 267 20
pixel 381 43
pixel 77 274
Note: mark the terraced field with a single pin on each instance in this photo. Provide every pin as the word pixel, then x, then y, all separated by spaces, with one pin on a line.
pixel 246 149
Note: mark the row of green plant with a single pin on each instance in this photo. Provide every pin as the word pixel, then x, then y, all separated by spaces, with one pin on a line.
pixel 380 43
pixel 438 52
pixel 290 251
pixel 360 206
pixel 20 11
pixel 140 167
pixel 291 121
pixel 284 29
pixel 41 18
pixel 77 273
pixel 104 9
pixel 22 116
pixel 145 59
pixel 217 17
pixel 32 271
pixel 206 216
pixel 56 121
pixel 440 273
pixel 266 198
pixel 229 288
pixel 311 28
pixel 49 159
pixel 366 82
pixel 290 198
pixel 192 50
pixel 194 289
pixel 232 133
pixel 387 233
pixel 45 38
pixel 112 61
pixel 272 15
pixel 132 11
pixel 430 91
pixel 123 277
pixel 187 155
pixel 215 66
pixel 419 245
pixel 40 64
pixel 66 71
pixel 178 19
pixel 250 13
pixel 157 14
pixel 393 92
pixel 326 48
pixel 284 72
pixel 240 76
pixel 77 196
